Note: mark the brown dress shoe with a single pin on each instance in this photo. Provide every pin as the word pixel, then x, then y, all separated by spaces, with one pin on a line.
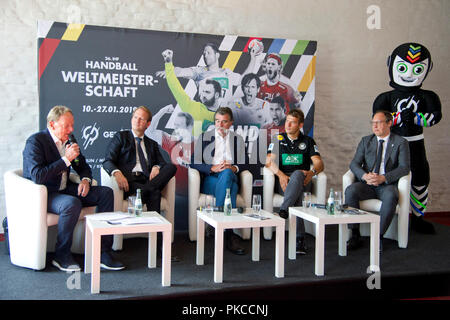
pixel 234 246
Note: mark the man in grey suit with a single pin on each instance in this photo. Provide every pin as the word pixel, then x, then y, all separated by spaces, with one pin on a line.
pixel 381 159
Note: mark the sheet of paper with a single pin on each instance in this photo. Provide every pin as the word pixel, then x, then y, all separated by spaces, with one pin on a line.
pixel 135 220
pixel 110 216
pixel 255 216
pixel 142 220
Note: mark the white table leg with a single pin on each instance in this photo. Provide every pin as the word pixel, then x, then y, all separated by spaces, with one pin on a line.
pixel 292 236
pixel 152 237
pixel 95 262
pixel 200 241
pixel 343 236
pixel 375 246
pixel 88 250
pixel 279 252
pixel 255 244
pixel 166 254
pixel 320 249
pixel 218 256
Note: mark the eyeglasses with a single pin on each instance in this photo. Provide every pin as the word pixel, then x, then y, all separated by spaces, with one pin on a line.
pixel 377 122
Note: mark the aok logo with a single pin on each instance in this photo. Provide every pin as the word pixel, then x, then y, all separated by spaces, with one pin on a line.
pixel 90 134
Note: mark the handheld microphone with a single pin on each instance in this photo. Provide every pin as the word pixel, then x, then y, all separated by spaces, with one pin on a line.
pixel 72 140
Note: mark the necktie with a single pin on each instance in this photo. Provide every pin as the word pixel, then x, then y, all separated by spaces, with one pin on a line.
pixel 142 157
pixel 379 156
pixel 61 148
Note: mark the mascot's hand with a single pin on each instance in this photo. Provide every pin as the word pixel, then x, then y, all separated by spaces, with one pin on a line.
pixel 407 115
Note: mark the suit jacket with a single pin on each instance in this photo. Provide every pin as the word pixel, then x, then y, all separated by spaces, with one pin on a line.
pixel 43 164
pixel 121 154
pixel 204 148
pixel 396 160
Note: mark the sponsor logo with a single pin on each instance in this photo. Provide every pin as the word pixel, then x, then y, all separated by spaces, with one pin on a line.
pixel 90 134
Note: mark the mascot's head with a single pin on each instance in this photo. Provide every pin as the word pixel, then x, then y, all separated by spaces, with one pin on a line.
pixel 409 65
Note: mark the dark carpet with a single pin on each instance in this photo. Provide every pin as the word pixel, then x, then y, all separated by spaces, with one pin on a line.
pixel 421 270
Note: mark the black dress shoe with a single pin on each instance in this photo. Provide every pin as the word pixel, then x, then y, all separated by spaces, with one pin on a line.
pixel 234 246
pixel 420 225
pixel 283 214
pixel 354 243
pixel 301 247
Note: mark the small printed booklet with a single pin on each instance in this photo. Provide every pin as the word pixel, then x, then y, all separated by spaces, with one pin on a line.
pixel 255 216
pixel 354 211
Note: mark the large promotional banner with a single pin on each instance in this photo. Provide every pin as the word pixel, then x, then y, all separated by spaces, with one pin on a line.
pixel 104 73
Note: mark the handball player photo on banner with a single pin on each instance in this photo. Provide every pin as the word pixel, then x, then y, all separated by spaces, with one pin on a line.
pixel 104 73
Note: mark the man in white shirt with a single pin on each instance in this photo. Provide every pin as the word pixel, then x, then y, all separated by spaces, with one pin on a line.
pixel 219 155
pixel 381 159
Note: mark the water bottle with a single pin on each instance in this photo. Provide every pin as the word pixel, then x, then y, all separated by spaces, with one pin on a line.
pixel 330 202
pixel 227 203
pixel 138 203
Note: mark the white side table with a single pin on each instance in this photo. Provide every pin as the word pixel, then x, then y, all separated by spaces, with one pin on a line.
pixel 320 218
pixel 235 221
pixel 96 228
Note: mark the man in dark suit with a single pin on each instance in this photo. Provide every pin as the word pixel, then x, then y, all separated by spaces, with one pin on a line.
pixel 136 162
pixel 47 160
pixel 381 159
pixel 219 155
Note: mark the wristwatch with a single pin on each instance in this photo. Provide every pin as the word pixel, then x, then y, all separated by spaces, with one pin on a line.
pixel 314 171
pixel 88 180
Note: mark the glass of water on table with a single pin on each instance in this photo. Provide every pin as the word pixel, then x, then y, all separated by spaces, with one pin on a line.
pixel 256 204
pixel 338 200
pixel 131 200
pixel 307 198
pixel 210 202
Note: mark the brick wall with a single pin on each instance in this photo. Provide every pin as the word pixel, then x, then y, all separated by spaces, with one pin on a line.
pixel 351 61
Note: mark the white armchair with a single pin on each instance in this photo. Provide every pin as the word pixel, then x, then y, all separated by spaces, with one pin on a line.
pixel 167 204
pixel 272 199
pixel 33 230
pixel 197 199
pixel 398 229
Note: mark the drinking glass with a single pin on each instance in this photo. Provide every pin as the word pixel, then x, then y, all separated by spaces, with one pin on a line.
pixel 256 203
pixel 131 200
pixel 209 204
pixel 338 200
pixel 307 199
